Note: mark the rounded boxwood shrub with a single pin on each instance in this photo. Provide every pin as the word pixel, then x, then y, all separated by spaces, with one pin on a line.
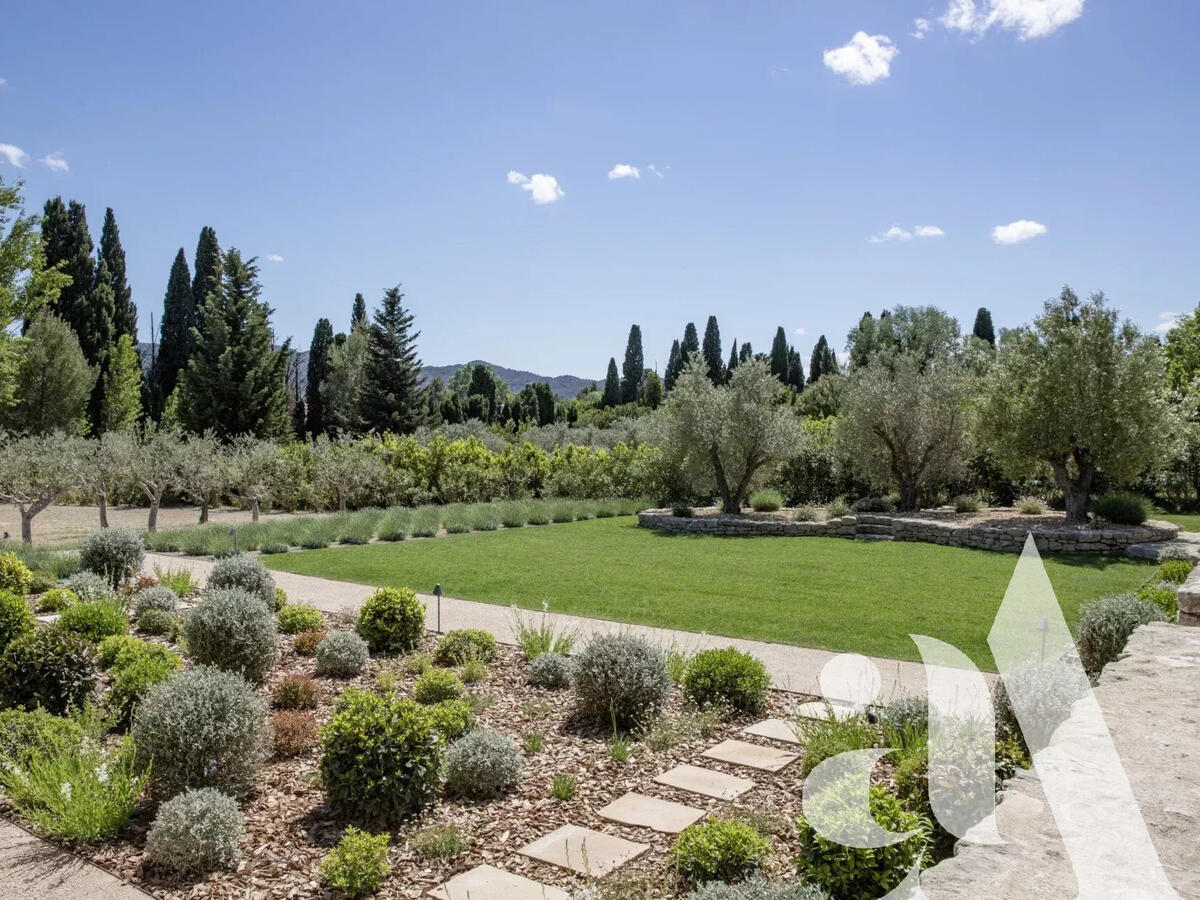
pixel 298 618
pixel 56 599
pixel 94 620
pixel 381 758
pixel 483 764
pixel 116 553
pixel 15 618
pixel 766 500
pixel 116 646
pixel 1105 626
pixel 50 668
pixel 157 622
pixel 342 654
pixel 27 733
pixel 89 587
pixel 1175 571
pixel 727 677
pixel 620 680
pixel 437 685
pixel 551 671
pixel 853 873
pixel 451 718
pixel 196 832
pixel 758 889
pixel 233 630
pixel 392 620
pixel 158 597
pixel 357 865
pixel 15 576
pixel 464 644
pixel 1121 508
pixel 719 851
pixel 203 727
pixel 246 573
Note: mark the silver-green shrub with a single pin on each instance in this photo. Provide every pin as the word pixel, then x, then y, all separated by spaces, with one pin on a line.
pixel 550 671
pixel 195 832
pixel 342 654
pixel 115 553
pixel 89 587
pixel 233 630
pixel 483 764
pixel 1106 624
pixel 1048 689
pixel 904 711
pixel 246 573
pixel 758 889
pixel 159 597
pixel 621 680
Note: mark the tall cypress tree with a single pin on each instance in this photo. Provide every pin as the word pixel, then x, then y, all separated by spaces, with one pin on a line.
pixel 612 386
pixel 983 326
pixel 779 355
pixel 113 254
pixel 634 367
pixel 392 397
pixel 733 358
pixel 713 360
pixel 816 363
pixel 56 245
pixel 97 337
pixel 674 366
pixel 175 330
pixel 208 271
pixel 67 241
pixel 358 314
pixel 318 371
pixel 746 353
pixel 690 348
pixel 795 369
pixel 236 381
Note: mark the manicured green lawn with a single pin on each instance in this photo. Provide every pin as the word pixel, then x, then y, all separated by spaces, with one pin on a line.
pixel 816 592
pixel 1186 521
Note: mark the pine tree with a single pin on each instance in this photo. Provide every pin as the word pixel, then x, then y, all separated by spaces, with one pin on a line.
pixel 779 356
pixel 612 386
pixel 94 325
pixel 713 360
pixel 690 348
pixel 674 367
pixel 235 382
pixel 358 315
pixel 318 371
pixel 633 368
pixel 122 387
pixel 208 273
pixel 174 346
pixel 983 326
pixel 53 381
pixel 112 253
pixel 392 397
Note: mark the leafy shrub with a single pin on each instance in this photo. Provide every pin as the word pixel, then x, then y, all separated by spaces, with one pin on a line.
pixel 873 505
pixel 392 620
pixel 967 503
pixel 296 692
pixel 483 764
pixel 853 873
pixel 437 685
pixel 115 553
pixel 160 597
pixel 756 888
pixel 56 599
pixel 294 732
pixel 1050 689
pixel 1163 596
pixel 358 864
pixel 157 622
pixel 307 642
pixel 1122 509
pixel 342 654
pixel 418 664
pixel 620 680
pixel 719 851
pixel 1175 571
pixel 202 728
pixel 904 711
pixel 563 786
pixel 24 733
pixel 381 757
pixel 682 511
pixel 541 637
pixel 114 646
pixel 727 677
pixel 439 842
pixel 551 671
pixel 766 500
pixel 464 644
pixel 1030 506
pixel 246 573
pixel 837 508
pixel 451 718
pixel 89 587
pixel 94 620
pixel 473 671
pixel 232 630
pixel 15 576
pixel 135 673
pixel 825 738
pixel 15 618
pixel 1105 626
pixel 196 832
pixel 49 668
pixel 298 618
pixel 280 599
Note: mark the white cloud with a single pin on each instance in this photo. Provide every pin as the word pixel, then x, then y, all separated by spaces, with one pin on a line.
pixel 1168 320
pixel 865 60
pixel 801 331
pixel 920 29
pixel 274 257
pixel 55 162
pixel 13 155
pixel 655 171
pixel 623 170
pixel 1029 18
pixel 517 178
pixel 544 188
pixel 928 231
pixel 895 233
pixel 1015 232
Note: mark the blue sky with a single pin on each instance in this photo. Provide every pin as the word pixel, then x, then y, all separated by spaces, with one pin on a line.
pixel 371 144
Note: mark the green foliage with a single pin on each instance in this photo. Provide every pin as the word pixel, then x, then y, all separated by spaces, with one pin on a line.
pixel 826 738
pixel 157 622
pixel 161 598
pixel 551 671
pixel 439 842
pixel 181 581
pixel 967 503
pixel 451 718
pixel 1164 596
pixel 94 620
pixel 114 646
pixel 196 832
pixel 294 619
pixel 755 888
pixel 542 636
pixel 121 386
pixel 358 864
pixel 1106 624
pixel 483 764
pixel 232 630
pixel 1121 509
pixel 671 731
pixel 115 553
pixel 719 851
pixel 392 620
pixel 727 677
pixel 464 644
pixel 15 576
pixel 621 679
pixel 296 692
pixel 904 711
pixel 766 500
pixel 246 573
pixel 342 654
pixel 135 671
pixel 563 786
pixel 532 743
pixel 16 619
pixel 1030 506
pixel 381 757
pixel 49 668
pixel 392 397
pixel 1175 571
pixel 437 685
pixel 202 727
pixel 26 734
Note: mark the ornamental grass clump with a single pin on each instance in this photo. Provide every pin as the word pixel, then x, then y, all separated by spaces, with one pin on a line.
pixel 196 832
pixel 342 654
pixel 620 680
pixel 757 888
pixel 116 553
pixel 766 500
pixel 392 620
pixel 234 630
pixel 1121 508
pixel 484 764
pixel 826 738
pixel 727 677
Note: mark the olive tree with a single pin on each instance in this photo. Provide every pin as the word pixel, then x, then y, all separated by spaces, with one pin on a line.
pixel 904 424
pixel 342 467
pixel 34 471
pixel 152 463
pixel 253 471
pixel 97 466
pixel 1080 392
pixel 721 438
pixel 204 471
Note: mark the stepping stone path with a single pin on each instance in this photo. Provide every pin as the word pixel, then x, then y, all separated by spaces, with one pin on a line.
pixel 774 729
pixel 582 850
pixel 705 781
pixel 752 756
pixel 490 883
pixel 650 812
pixel 815 709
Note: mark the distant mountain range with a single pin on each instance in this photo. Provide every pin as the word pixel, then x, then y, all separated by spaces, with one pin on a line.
pixel 564 386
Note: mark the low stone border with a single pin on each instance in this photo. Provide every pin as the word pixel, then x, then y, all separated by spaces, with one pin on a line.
pixel 901 528
pixel 1189 600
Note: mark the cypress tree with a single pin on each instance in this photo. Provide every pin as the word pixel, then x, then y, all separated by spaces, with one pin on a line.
pixel 745 354
pixel 674 365
pixel 392 398
pixel 795 376
pixel 690 348
pixel 733 358
pixel 612 386
pixel 713 361
pixel 318 371
pixel 779 356
pixel 816 364
pixel 236 381
pixel 113 254
pixel 983 326
pixel 358 314
pixel 175 341
pixel 94 325
pixel 67 241
pixel 633 368
pixel 208 270
pixel 56 246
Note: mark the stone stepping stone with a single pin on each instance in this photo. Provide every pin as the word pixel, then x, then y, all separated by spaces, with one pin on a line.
pixel 490 883
pixel 582 850
pixel 815 709
pixel 650 812
pixel 708 782
pixel 752 756
pixel 775 729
